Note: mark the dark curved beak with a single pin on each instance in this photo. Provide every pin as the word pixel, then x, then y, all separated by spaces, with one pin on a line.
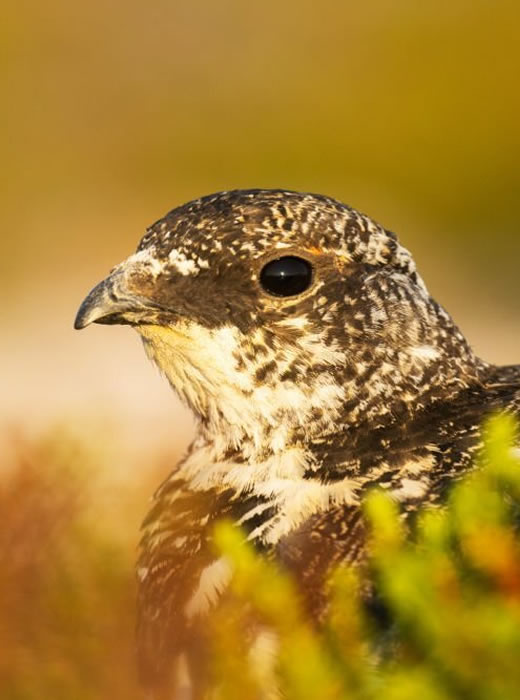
pixel 100 305
pixel 112 302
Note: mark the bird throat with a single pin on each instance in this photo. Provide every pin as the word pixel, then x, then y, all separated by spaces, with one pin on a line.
pixel 242 409
pixel 255 400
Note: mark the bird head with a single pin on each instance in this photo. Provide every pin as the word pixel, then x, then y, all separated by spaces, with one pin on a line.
pixel 280 317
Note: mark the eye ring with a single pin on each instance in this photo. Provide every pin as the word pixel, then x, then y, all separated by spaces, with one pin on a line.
pixel 286 276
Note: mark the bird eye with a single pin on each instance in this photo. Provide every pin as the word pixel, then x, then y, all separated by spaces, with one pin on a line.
pixel 287 276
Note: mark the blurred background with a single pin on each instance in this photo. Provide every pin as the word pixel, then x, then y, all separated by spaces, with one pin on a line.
pixel 117 112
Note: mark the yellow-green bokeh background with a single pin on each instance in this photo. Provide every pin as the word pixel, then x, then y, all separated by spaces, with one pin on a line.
pixel 119 111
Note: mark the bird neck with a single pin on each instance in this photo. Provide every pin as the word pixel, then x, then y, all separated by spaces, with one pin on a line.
pixel 255 400
pixel 365 388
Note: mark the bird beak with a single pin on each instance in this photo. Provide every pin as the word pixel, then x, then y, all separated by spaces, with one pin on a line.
pixel 112 302
pixel 99 304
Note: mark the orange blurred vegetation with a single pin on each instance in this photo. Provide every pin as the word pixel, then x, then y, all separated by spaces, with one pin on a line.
pixel 67 549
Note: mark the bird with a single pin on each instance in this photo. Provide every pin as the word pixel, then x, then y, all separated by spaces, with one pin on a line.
pixel 318 367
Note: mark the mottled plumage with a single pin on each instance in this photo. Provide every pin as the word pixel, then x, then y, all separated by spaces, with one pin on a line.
pixel 304 402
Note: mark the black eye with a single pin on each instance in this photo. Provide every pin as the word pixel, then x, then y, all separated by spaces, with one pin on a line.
pixel 287 276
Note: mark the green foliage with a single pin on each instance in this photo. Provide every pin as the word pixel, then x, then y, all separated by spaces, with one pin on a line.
pixel 452 591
